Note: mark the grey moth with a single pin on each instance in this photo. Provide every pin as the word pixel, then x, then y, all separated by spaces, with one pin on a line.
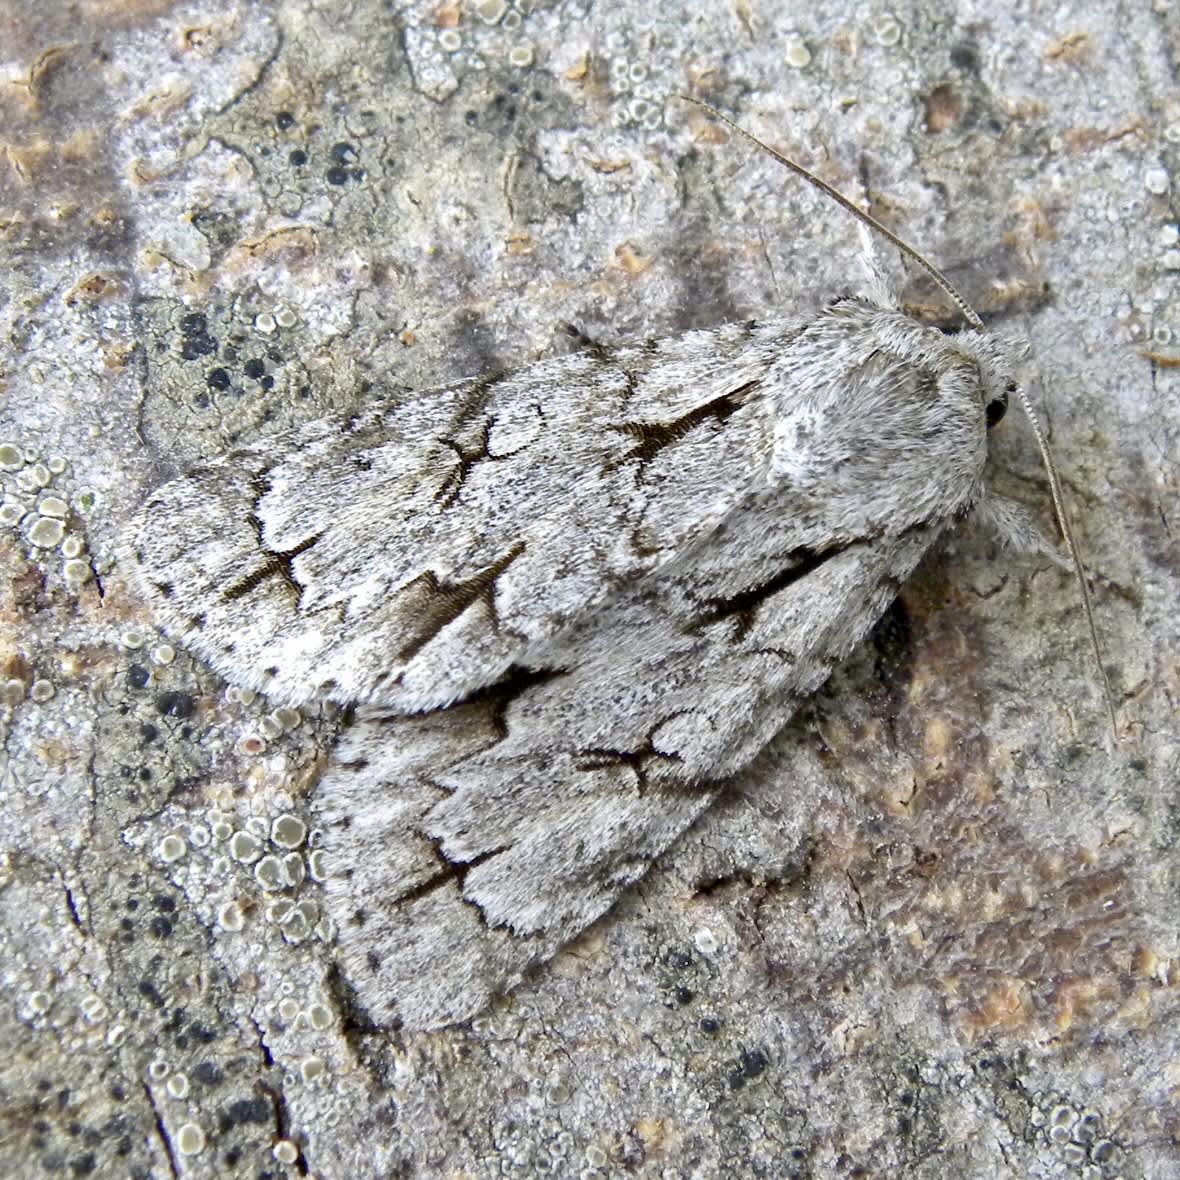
pixel 567 604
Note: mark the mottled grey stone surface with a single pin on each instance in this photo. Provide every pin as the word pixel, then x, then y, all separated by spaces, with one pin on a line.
pixel 934 931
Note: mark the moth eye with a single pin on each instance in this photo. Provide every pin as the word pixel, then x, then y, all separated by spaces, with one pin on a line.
pixel 998 407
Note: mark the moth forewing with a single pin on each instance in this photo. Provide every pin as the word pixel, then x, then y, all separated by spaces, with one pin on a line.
pixel 410 555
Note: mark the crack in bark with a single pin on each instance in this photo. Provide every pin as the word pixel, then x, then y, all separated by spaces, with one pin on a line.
pixel 162 1132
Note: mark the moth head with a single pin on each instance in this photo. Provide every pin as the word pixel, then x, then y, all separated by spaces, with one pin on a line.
pixel 997 360
pixel 998 406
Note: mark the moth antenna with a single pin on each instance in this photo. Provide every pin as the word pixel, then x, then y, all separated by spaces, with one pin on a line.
pixel 1063 523
pixel 965 309
pixel 972 318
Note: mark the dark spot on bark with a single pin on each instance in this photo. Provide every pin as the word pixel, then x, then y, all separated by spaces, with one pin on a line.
pixel 194 347
pixel 249 1110
pixel 175 704
pixel 151 993
pixel 752 1064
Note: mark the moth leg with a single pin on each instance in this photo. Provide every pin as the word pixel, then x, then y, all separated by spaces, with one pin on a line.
pixel 877 287
pixel 1016 528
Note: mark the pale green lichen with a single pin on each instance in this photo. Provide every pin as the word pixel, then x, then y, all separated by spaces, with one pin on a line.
pixel 299 921
pixel 258 825
pixel 268 872
pixel 319 1016
pixel 230 917
pixel 53 506
pixel 220 828
pixel 171 848
pixel 288 831
pixel 317 865
pixel 245 847
pixel 132 639
pixel 278 910
pixel 796 54
pixel 93 1010
pixel 886 30
pixel 285 1151
pixel 293 869
pixel 190 1139
pixel 491 11
pixel 287 719
pixel 77 571
pixel 46 532
pixel 270 729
